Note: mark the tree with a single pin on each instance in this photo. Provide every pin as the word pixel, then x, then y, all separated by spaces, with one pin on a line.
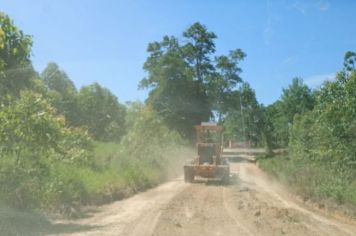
pixel 277 122
pixel 61 91
pixel 176 95
pixel 225 80
pixel 56 79
pixel 200 45
pixel 34 143
pixel 244 120
pixel 101 113
pixel 329 131
pixel 187 83
pixel 29 126
pixel 296 99
pixel 349 60
pixel 324 141
pixel 16 72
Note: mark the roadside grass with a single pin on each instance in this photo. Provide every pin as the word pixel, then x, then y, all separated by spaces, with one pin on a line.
pixel 116 175
pixel 113 175
pixel 14 222
pixel 83 172
pixel 327 184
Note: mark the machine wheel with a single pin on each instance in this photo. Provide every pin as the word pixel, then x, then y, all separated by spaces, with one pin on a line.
pixel 188 174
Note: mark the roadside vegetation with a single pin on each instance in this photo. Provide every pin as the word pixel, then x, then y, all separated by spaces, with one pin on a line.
pixel 314 181
pixel 320 136
pixel 63 148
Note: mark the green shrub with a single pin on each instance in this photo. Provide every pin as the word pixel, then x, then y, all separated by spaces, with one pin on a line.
pixel 322 157
pixel 46 165
pixel 37 152
pixel 312 179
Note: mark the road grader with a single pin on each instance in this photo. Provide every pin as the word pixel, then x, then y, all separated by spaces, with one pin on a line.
pixel 209 162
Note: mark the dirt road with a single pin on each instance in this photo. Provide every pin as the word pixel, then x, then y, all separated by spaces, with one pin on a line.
pixel 250 205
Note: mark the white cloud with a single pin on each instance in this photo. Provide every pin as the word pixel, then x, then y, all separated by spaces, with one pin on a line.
pixel 322 5
pixel 315 81
pixel 268 31
pixel 291 60
pixel 268 34
pixel 304 7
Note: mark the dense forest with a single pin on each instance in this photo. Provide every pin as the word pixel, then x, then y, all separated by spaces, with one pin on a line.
pixel 62 147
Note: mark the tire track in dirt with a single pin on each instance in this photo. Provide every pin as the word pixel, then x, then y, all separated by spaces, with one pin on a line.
pixel 279 200
pixel 133 216
pixel 251 205
pixel 232 215
pixel 198 210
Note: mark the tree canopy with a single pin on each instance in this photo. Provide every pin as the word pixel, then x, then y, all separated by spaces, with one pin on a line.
pixel 16 72
pixel 61 92
pixel 297 99
pixel 101 113
pixel 187 81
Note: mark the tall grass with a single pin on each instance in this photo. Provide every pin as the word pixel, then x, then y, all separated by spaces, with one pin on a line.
pixel 148 154
pixel 118 174
pixel 318 181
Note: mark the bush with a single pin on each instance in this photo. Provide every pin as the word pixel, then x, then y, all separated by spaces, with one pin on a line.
pixel 46 165
pixel 36 149
pixel 312 179
pixel 322 157
pixel 149 154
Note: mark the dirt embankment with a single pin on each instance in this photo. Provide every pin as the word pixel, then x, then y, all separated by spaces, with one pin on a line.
pixel 250 205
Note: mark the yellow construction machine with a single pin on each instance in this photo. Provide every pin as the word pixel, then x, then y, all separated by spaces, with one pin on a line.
pixel 209 162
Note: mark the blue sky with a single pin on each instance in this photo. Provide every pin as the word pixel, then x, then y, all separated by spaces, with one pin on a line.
pixel 105 40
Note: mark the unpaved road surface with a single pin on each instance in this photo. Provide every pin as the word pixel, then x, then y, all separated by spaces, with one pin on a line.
pixel 250 205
